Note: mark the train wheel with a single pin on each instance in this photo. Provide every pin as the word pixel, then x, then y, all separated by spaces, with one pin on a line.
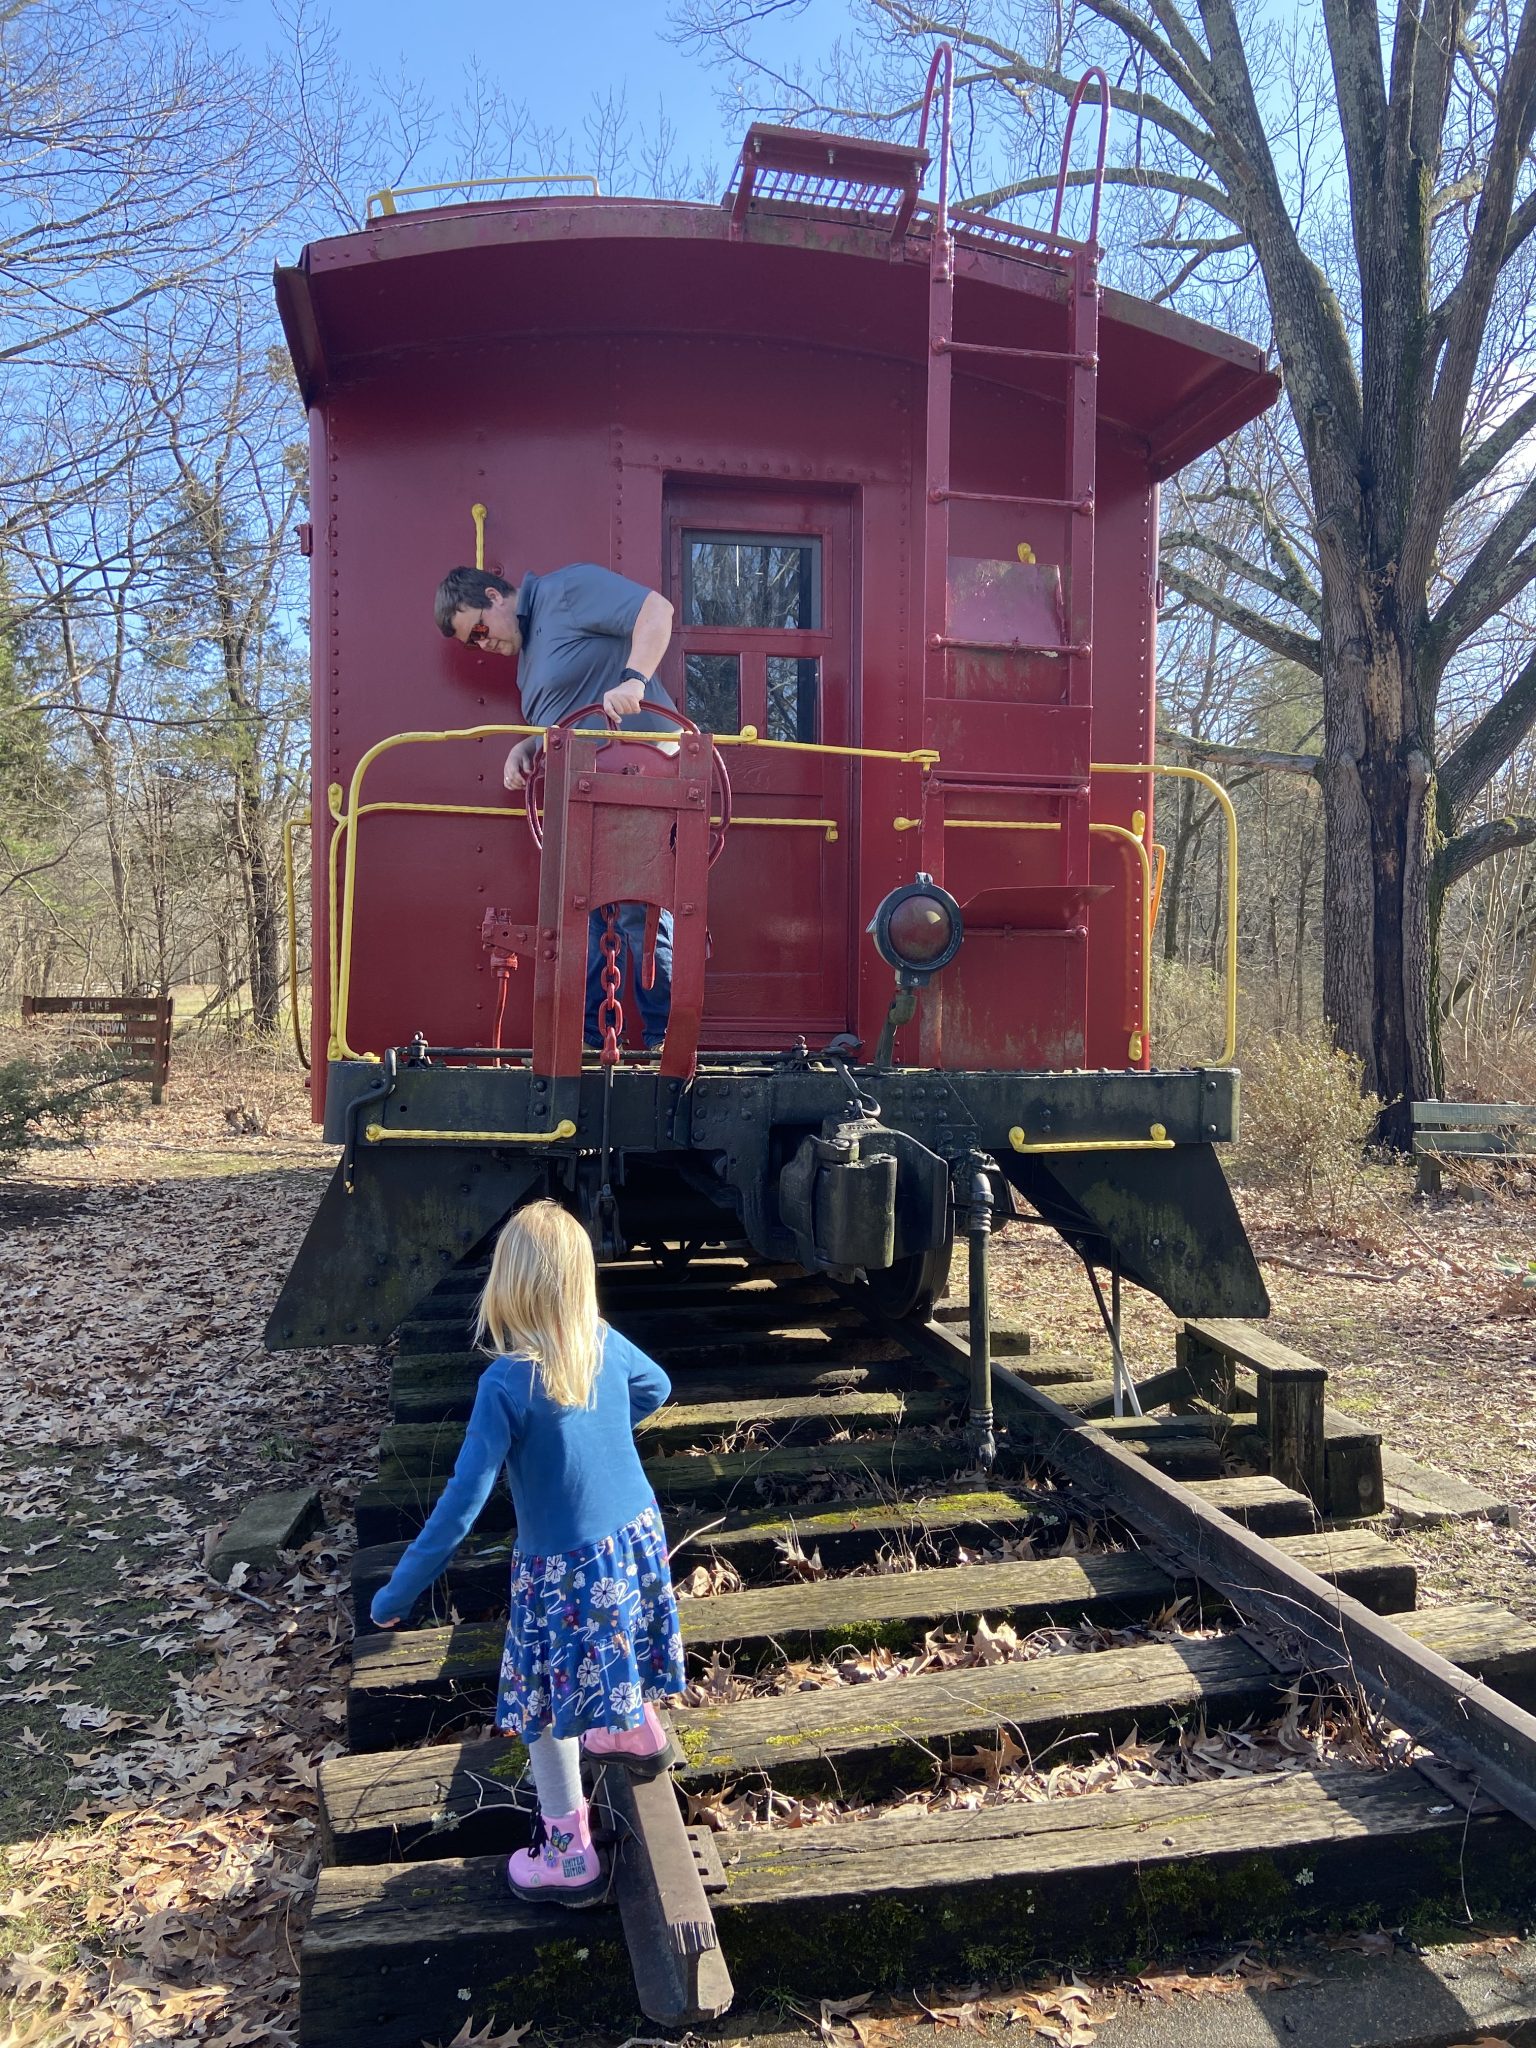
pixel 911 1285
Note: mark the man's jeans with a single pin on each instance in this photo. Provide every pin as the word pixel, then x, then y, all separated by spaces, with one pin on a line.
pixel 656 1001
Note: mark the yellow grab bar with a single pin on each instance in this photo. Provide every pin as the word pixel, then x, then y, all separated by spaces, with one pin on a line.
pixel 1229 1049
pixel 290 826
pixel 1133 839
pixel 1159 1141
pixel 749 736
pixel 347 818
pixel 377 1135
pixel 390 193
pixel 1159 869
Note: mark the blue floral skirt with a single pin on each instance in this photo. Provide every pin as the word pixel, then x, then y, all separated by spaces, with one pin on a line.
pixel 593 1635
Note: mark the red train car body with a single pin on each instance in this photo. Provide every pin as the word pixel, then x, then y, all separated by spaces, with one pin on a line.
pixel 897 470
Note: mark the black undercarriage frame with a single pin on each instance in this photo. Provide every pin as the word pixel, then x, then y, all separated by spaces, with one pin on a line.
pixel 856 1171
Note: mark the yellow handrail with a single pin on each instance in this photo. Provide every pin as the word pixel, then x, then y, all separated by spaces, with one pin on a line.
pixel 1159 869
pixel 290 826
pixel 1229 1049
pixel 388 194
pixel 1139 1030
pixel 339 1048
pixel 1159 1141
pixel 376 1134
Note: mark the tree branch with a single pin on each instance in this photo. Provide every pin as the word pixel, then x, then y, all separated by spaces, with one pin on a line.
pixel 1464 327
pixel 1143 106
pixel 1230 558
pixel 1480 462
pixel 1459 856
pixel 1248 757
pixel 1467 770
pixel 1197 189
pixel 1305 651
pixel 1496 573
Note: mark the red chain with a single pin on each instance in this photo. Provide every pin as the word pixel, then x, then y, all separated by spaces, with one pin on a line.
pixel 610 1011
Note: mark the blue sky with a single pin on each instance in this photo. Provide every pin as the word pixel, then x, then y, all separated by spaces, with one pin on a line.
pixel 556 57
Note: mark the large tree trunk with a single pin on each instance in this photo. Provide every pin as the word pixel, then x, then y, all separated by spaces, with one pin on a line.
pixel 1380 896
pixel 265 936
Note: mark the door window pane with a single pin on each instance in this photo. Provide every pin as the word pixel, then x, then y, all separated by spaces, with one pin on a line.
pixel 745 579
pixel 713 686
pixel 792 688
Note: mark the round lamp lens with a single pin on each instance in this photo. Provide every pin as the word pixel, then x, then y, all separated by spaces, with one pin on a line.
pixel 920 929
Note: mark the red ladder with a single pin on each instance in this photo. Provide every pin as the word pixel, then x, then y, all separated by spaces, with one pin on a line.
pixel 1060 780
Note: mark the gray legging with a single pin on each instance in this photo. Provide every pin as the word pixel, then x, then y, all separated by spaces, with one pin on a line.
pixel 555 1761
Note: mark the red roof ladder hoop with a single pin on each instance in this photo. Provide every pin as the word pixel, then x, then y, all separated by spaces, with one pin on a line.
pixel 1079 263
pixel 797 170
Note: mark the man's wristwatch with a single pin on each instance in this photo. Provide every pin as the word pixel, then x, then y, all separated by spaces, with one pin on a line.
pixel 633 675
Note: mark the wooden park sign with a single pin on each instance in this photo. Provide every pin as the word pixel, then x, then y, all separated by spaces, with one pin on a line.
pixel 137 1028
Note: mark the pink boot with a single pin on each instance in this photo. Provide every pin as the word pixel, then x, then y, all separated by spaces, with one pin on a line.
pixel 645 1752
pixel 562 1868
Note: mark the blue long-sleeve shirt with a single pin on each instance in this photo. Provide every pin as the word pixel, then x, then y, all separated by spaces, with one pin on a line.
pixel 575 1474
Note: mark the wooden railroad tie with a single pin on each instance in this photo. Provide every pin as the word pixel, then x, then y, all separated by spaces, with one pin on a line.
pixel 392 1948
pixel 409 1685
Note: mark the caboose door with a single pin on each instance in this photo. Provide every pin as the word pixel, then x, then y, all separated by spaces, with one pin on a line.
pixel 761 586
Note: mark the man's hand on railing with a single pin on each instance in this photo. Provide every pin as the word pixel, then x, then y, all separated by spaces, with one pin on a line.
pixel 520 762
pixel 624 699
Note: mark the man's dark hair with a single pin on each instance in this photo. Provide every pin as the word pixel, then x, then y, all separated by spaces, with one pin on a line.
pixel 463 590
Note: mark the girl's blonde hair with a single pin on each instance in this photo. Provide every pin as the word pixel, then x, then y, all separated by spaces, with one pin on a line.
pixel 541 1301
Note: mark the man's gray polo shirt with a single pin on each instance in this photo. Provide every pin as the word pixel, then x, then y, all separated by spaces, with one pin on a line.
pixel 577 624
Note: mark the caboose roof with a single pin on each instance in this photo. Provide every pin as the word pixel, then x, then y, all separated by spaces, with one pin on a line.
pixel 474 275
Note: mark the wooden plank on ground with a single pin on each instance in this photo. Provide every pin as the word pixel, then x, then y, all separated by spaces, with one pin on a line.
pixel 440 1386
pixel 397 1503
pixel 1056 1368
pixel 872 1740
pixel 1420 1495
pixel 433 1446
pixel 391 1950
pixel 1095 1398
pixel 855 1532
pixel 410 1684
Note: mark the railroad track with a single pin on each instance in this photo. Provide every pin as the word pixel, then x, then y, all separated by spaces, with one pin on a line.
pixel 904 1670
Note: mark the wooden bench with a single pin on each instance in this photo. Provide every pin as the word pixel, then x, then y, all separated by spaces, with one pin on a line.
pixel 1469 1130
pixel 1330 1458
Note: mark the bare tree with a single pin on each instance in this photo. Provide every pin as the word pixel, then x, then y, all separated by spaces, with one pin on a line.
pixel 1374 175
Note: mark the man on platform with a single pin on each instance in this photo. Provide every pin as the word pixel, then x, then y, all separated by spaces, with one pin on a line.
pixel 581 635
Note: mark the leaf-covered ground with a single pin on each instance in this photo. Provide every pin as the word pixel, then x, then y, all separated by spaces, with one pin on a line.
pixel 161 1732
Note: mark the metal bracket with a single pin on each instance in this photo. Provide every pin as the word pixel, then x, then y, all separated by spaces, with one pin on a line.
pixel 1285 1655
pixel 706 1857
pixel 1457 1785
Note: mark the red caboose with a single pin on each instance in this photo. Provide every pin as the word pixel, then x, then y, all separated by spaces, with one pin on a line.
pixel 896 467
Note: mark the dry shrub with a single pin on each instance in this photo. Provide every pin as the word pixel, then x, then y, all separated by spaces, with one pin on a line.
pixel 1188 1014
pixel 1490 1067
pixel 1306 1124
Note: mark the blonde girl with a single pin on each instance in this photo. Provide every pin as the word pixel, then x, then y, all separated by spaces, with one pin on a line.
pixel 593 1636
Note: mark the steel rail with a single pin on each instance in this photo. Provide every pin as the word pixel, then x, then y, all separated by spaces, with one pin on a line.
pixel 1467 1724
